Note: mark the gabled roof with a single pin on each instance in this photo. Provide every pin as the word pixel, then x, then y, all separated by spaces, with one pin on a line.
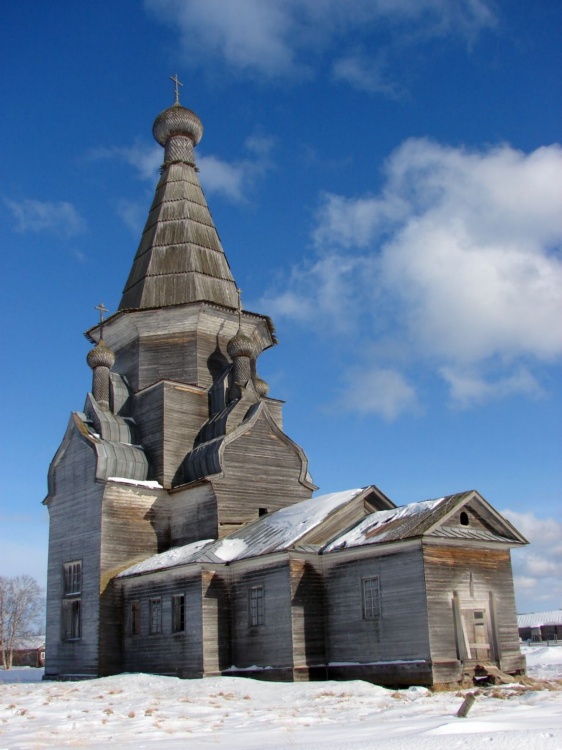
pixel 282 529
pixel 274 532
pixel 427 518
pixel 299 527
pixel 171 558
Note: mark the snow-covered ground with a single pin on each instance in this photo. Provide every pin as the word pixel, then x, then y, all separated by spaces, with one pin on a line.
pixel 144 711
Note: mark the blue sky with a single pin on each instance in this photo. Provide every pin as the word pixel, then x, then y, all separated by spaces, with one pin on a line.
pixel 386 178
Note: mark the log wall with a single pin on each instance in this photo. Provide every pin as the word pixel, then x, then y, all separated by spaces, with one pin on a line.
pixel 270 644
pixel 179 654
pixel 473 574
pixel 260 470
pixel 74 534
pixel 400 633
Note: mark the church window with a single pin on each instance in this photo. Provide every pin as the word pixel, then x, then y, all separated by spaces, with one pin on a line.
pixel 134 618
pixel 71 619
pixel 72 577
pixel 464 518
pixel 155 610
pixel 178 613
pixel 71 603
pixel 257 606
pixel 371 598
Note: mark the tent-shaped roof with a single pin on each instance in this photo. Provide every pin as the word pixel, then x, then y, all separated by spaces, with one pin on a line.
pixel 180 258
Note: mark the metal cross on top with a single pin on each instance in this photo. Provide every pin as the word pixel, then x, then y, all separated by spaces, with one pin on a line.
pixel 239 293
pixel 102 309
pixel 177 82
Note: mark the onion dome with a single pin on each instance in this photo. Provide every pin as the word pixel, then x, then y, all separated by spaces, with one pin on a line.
pixel 262 388
pixel 101 356
pixel 177 121
pixel 241 346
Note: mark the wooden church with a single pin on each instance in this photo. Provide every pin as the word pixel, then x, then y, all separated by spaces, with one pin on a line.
pixel 184 538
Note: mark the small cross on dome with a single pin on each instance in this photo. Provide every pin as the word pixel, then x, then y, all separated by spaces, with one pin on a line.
pixel 177 83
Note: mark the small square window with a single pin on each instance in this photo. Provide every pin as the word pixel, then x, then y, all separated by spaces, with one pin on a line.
pixel 178 613
pixel 257 606
pixel 155 611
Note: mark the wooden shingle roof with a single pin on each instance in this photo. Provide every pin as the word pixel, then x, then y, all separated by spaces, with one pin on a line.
pixel 180 258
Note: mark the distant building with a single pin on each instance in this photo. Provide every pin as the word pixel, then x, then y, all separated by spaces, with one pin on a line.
pixel 183 536
pixel 540 626
pixel 29 652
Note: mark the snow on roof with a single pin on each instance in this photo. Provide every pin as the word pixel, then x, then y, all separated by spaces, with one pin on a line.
pixel 281 529
pixel 30 643
pixel 270 533
pixel 150 484
pixel 385 525
pixel 537 619
pixel 169 559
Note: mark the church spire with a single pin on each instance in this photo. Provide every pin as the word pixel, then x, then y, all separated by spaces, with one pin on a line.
pixel 180 258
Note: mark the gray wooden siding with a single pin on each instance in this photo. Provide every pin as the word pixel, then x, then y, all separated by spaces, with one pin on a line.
pixel 215 599
pixel 170 356
pixel 134 526
pixel 449 569
pixel 401 632
pixel 193 515
pixel 269 644
pixel 147 409
pixel 177 654
pixel 74 534
pixel 168 417
pixel 307 612
pixel 179 343
pixel 260 471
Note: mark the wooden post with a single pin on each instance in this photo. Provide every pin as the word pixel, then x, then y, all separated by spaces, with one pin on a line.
pixel 467 704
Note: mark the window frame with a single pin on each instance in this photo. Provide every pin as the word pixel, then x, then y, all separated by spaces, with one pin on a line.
pixel 256 606
pixel 155 615
pixel 72 578
pixel 72 619
pixel 71 601
pixel 371 598
pixel 178 613
pixel 135 617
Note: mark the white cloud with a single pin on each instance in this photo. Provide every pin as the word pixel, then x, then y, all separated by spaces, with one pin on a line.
pixel 323 294
pixel 456 260
pixel 230 179
pixel 468 389
pixel 380 391
pixel 59 217
pixel 145 158
pixel 363 73
pixel 282 37
pixel 538 567
pixel 132 214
